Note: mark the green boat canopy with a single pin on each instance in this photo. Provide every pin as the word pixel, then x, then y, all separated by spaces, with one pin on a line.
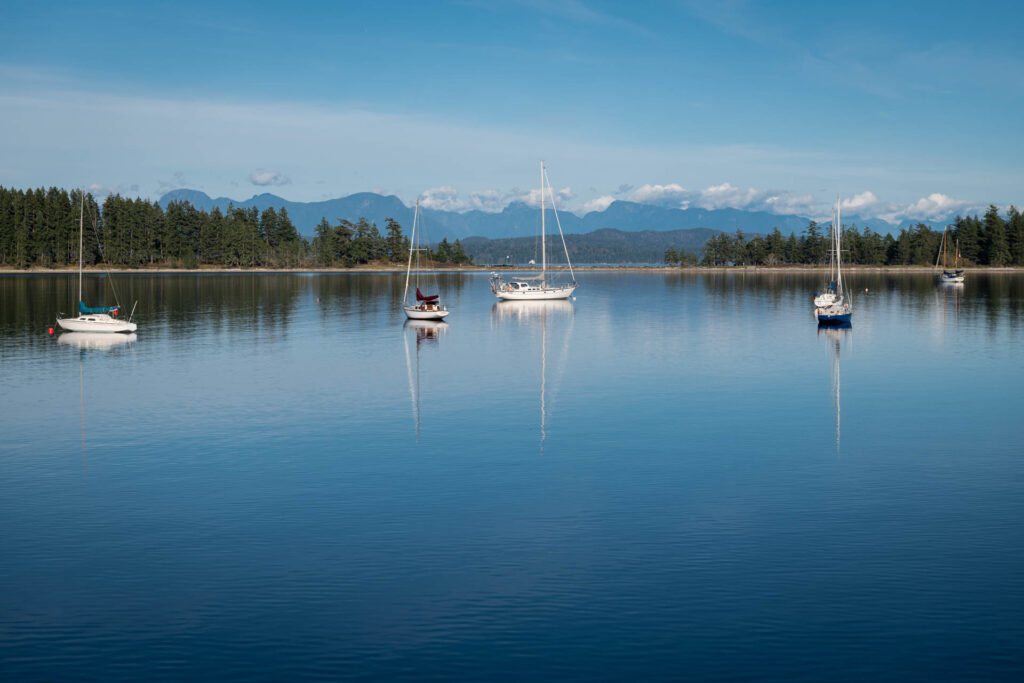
pixel 82 308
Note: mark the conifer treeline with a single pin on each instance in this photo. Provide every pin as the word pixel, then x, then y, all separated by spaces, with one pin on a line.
pixel 990 241
pixel 40 228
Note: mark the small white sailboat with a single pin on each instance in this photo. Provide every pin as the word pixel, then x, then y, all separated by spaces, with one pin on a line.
pixel 426 307
pixel 949 277
pixel 830 306
pixel 536 287
pixel 93 319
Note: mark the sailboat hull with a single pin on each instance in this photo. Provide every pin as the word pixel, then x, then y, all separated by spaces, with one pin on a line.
pixel 538 294
pixel 98 322
pixel 418 313
pixel 830 318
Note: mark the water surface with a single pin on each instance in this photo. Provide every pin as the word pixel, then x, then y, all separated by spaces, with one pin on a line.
pixel 674 476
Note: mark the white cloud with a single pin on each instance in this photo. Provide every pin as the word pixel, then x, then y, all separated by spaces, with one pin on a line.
pixel 934 207
pixel 532 197
pixel 444 198
pixel 673 193
pixel 491 201
pixel 598 203
pixel 789 203
pixel 725 196
pixel 261 177
pixel 859 202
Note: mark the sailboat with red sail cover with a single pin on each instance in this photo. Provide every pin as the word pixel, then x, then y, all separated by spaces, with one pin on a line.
pixel 426 306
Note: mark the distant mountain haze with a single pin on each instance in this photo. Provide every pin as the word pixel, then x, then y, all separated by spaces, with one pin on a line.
pixel 520 220
pixel 606 245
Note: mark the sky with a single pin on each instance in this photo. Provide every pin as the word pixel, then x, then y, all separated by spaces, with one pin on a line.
pixel 901 109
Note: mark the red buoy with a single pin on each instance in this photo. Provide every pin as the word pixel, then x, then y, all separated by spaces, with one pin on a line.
pixel 51 330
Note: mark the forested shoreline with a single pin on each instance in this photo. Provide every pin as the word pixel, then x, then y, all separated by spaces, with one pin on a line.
pixel 988 241
pixel 39 228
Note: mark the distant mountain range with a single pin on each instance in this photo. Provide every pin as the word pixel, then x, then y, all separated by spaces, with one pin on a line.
pixel 519 220
pixel 606 245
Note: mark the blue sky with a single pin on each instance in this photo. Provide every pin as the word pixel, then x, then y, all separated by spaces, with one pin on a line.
pixel 902 109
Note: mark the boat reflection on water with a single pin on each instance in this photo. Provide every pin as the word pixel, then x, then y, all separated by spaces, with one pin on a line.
pixel 91 341
pixel 96 341
pixel 950 296
pixel 532 312
pixel 426 332
pixel 835 335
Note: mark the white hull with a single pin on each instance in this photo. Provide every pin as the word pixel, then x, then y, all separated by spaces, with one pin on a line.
pixel 98 322
pixel 539 294
pixel 417 313
pixel 956 280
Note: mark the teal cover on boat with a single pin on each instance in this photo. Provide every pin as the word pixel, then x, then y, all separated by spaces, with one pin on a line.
pixel 82 308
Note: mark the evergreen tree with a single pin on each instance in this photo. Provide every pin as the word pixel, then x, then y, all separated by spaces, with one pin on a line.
pixel 1015 235
pixel 395 248
pixel 997 247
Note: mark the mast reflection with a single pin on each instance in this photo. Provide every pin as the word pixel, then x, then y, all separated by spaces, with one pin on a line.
pixel 835 334
pixel 531 313
pixel 425 333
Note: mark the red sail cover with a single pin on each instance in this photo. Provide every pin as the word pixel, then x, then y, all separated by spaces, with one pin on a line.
pixel 420 297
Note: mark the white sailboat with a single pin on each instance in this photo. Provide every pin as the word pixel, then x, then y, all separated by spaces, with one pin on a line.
pixel 425 307
pixel 536 287
pixel 949 277
pixel 830 307
pixel 93 319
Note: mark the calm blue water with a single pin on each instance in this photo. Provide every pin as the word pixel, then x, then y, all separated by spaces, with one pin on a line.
pixel 675 476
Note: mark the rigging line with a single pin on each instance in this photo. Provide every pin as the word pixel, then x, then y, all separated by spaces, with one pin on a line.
pixel 559 223
pixel 106 266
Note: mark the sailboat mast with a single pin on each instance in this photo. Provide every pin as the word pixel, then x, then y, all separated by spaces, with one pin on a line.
pixel 942 251
pixel 832 249
pixel 412 245
pixel 543 239
pixel 839 247
pixel 81 223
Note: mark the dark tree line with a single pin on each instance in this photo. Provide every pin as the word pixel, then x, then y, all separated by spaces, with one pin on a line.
pixel 350 243
pixel 40 228
pixel 990 241
pixel 681 257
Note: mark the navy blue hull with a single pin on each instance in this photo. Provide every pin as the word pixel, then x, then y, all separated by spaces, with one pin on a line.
pixel 843 319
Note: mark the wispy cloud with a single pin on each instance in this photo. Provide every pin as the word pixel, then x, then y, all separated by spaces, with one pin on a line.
pixel 177 181
pixel 208 145
pixel 262 177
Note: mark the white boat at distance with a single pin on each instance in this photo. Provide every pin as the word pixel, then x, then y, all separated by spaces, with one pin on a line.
pixel 536 287
pixel 96 323
pixel 93 319
pixel 949 277
pixel 832 307
pixel 425 307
